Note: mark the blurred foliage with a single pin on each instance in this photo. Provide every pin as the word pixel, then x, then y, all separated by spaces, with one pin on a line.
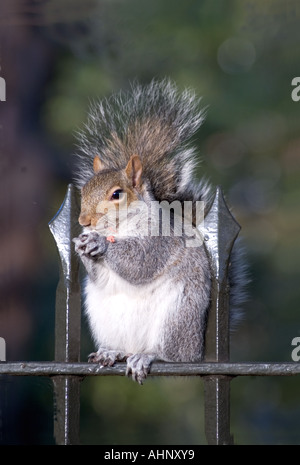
pixel 163 411
pixel 241 56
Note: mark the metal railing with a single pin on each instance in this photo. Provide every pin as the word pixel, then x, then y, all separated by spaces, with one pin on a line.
pixel 220 232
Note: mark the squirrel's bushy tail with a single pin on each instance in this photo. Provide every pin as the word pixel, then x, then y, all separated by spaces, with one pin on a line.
pixel 155 122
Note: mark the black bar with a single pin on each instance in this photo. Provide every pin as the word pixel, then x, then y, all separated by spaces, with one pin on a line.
pixel 66 409
pixel 82 369
pixel 64 228
pixel 219 232
pixel 217 410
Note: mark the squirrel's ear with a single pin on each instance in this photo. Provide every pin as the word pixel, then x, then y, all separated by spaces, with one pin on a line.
pixel 134 170
pixel 97 165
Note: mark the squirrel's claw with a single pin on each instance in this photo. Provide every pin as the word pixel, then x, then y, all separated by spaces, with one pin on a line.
pixel 91 244
pixel 138 366
pixel 106 357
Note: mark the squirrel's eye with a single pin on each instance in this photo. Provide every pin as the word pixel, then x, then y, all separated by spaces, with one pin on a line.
pixel 117 195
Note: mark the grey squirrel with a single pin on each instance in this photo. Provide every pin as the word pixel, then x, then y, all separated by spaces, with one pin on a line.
pixel 147 295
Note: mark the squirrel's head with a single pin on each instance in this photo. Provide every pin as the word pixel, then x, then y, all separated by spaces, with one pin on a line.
pixel 109 189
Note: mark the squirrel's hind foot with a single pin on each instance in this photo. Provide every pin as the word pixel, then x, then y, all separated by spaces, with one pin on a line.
pixel 107 357
pixel 138 366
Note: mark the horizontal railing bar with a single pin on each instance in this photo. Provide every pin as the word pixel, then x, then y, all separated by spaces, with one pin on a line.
pixel 157 369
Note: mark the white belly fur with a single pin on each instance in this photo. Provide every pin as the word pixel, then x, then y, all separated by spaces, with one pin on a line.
pixel 126 317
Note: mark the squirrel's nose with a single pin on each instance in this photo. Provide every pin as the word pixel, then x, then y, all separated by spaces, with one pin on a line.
pixel 84 219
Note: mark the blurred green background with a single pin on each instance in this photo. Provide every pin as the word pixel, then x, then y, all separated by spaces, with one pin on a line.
pixel 240 56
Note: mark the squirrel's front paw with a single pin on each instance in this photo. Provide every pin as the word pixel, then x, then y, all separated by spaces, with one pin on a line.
pixel 138 366
pixel 90 244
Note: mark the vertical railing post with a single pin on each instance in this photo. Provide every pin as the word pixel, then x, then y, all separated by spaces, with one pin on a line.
pixel 64 227
pixel 3 393
pixel 4 408
pixel 219 231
